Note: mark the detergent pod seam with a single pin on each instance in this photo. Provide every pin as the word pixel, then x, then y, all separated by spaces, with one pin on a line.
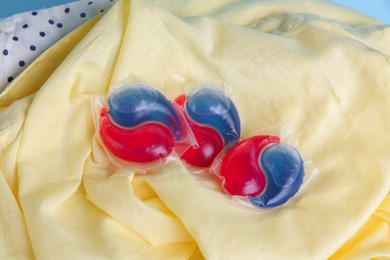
pixel 214 120
pixel 272 169
pixel 139 128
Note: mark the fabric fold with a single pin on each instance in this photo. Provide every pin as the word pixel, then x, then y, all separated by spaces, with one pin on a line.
pixel 321 67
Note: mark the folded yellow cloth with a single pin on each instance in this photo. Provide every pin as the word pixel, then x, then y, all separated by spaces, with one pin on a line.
pixel 323 68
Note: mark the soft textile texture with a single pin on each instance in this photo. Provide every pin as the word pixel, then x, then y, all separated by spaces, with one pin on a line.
pixel 323 68
pixel 23 37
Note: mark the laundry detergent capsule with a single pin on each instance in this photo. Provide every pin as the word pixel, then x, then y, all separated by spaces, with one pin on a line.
pixel 213 119
pixel 140 124
pixel 262 169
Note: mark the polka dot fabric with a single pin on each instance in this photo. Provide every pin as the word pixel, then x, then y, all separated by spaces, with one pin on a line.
pixel 23 37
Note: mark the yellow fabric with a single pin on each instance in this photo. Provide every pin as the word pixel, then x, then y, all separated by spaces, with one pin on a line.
pixel 321 67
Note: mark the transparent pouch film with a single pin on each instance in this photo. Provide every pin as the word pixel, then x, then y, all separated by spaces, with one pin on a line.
pixel 139 128
pixel 263 170
pixel 214 121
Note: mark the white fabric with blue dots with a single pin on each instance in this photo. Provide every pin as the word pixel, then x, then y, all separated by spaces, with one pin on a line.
pixel 23 37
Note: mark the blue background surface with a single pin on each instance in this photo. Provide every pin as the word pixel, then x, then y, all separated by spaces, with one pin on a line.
pixel 10 7
pixel 379 9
